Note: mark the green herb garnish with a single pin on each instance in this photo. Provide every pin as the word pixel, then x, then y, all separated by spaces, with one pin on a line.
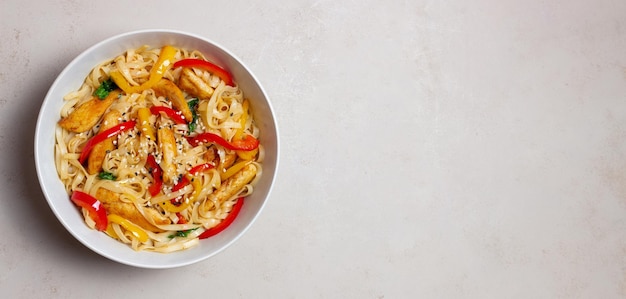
pixel 193 104
pixel 182 233
pixel 105 175
pixel 105 87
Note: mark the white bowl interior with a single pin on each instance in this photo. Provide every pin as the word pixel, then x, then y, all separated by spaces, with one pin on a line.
pixel 71 79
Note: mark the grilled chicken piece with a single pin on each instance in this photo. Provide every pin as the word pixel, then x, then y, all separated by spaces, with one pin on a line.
pixel 167 88
pixel 106 196
pixel 167 145
pixel 113 205
pixel 232 185
pixel 211 155
pixel 88 114
pixel 96 156
pixel 194 85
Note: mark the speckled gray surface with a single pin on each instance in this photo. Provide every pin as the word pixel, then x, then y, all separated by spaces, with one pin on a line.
pixel 430 149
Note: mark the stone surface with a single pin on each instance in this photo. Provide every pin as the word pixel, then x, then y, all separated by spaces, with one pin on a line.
pixel 430 149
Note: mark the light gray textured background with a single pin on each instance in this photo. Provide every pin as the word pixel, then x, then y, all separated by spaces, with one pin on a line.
pixel 430 149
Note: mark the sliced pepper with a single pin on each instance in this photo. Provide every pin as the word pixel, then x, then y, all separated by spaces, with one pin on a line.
pixel 157 175
pixel 170 207
pixel 143 114
pixel 201 167
pixel 245 155
pixel 93 206
pixel 156 73
pixel 197 187
pixel 225 223
pixel 205 65
pixel 181 184
pixel 248 155
pixel 134 229
pixel 181 219
pixel 185 180
pixel 176 116
pixel 233 169
pixel 114 131
pixel 111 232
pixel 175 207
pixel 242 120
pixel 248 143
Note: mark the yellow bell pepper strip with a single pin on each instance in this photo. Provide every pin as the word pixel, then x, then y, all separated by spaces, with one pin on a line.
pixel 93 206
pixel 175 205
pixel 205 65
pixel 248 143
pixel 197 187
pixel 248 155
pixel 143 114
pixel 111 232
pixel 121 82
pixel 156 73
pixel 242 120
pixel 114 131
pixel 195 182
pixel 233 169
pixel 225 223
pixel 173 208
pixel 134 229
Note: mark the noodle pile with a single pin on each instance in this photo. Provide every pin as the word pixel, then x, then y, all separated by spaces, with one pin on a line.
pixel 172 220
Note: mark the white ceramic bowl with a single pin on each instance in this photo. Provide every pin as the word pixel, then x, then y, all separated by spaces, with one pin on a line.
pixel 71 79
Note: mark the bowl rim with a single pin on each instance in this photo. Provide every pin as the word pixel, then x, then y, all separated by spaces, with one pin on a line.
pixel 39 130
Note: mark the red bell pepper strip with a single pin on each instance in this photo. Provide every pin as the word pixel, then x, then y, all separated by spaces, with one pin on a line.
pixel 248 143
pixel 181 219
pixel 225 223
pixel 176 116
pixel 157 175
pixel 93 206
pixel 200 167
pixel 203 64
pixel 125 126
pixel 180 185
pixel 184 181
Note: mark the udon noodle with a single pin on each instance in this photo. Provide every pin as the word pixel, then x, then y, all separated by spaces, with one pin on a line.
pixel 168 152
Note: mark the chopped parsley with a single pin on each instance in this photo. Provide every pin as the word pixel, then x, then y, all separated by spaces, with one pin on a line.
pixel 182 233
pixel 193 104
pixel 104 89
pixel 105 175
